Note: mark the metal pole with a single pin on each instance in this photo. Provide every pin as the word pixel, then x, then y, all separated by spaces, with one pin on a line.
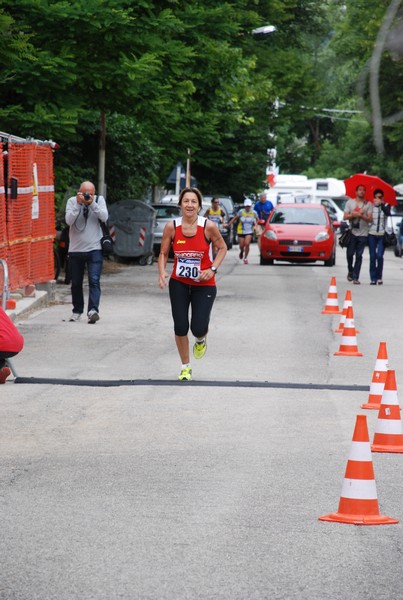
pixel 4 295
pixel 188 169
pixel 178 179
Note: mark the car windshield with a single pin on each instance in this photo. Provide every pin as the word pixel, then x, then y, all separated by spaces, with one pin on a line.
pixel 166 212
pixel 299 216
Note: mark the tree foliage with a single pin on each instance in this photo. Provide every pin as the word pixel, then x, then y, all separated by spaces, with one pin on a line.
pixel 177 74
pixel 347 75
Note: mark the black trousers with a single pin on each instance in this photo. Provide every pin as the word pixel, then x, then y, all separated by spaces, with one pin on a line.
pixel 4 355
pixel 355 249
pixel 200 298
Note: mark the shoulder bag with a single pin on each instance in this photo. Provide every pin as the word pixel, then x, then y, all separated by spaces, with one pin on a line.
pixel 345 237
pixel 389 239
pixel 106 240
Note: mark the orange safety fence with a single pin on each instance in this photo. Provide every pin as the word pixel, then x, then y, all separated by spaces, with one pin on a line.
pixel 30 217
pixel 43 230
pixel 3 225
pixel 3 228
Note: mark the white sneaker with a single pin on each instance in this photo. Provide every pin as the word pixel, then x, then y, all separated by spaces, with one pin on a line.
pixel 93 316
pixel 75 317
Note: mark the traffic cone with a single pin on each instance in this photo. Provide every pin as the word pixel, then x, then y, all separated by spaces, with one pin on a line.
pixel 332 303
pixel 378 379
pixel 388 435
pixel 347 302
pixel 348 346
pixel 358 500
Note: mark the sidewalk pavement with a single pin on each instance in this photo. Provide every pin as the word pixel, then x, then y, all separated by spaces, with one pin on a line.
pixel 49 292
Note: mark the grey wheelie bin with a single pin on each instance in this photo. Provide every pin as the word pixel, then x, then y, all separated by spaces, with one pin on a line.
pixel 133 223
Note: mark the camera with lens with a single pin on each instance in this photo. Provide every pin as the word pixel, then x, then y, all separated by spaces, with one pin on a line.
pixel 87 196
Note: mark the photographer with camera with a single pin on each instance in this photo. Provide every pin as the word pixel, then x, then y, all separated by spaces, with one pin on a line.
pixel 83 215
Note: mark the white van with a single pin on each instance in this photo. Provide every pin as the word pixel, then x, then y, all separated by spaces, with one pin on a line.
pixel 334 206
pixel 289 188
pixel 327 187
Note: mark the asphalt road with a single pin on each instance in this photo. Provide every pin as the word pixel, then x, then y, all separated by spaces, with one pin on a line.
pixel 116 482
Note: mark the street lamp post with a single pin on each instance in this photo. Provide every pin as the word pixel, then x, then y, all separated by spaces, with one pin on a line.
pixel 271 169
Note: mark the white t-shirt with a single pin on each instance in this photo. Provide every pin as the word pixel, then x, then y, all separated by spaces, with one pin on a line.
pixel 358 226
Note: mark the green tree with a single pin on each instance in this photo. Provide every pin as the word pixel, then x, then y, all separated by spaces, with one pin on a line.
pixel 169 75
pixel 352 144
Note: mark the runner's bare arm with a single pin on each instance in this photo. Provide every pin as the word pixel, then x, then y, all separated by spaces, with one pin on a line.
pixel 213 234
pixel 234 218
pixel 167 237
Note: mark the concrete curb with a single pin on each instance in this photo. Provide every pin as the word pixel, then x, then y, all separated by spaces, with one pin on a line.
pixel 28 304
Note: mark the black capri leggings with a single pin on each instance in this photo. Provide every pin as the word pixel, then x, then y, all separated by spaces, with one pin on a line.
pixel 200 298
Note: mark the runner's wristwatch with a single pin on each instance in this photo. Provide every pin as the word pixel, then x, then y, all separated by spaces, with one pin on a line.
pixel 214 269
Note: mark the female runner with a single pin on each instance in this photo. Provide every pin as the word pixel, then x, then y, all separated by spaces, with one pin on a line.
pixel 192 282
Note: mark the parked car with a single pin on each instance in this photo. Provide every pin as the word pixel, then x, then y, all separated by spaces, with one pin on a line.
pixel 298 233
pixel 164 213
pixel 169 199
pixel 168 210
pixel 393 224
pixel 227 204
pixel 398 249
pixel 227 234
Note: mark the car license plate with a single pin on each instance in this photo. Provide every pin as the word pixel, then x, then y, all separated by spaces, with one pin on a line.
pixel 295 248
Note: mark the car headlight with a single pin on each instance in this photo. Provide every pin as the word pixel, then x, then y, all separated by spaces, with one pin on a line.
pixel 270 235
pixel 322 236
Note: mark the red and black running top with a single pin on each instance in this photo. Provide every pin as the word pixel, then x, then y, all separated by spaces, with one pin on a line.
pixel 191 254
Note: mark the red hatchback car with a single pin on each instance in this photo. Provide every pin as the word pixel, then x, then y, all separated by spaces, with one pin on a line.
pixel 298 233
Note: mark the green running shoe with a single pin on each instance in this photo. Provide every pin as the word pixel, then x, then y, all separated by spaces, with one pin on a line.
pixel 185 374
pixel 199 349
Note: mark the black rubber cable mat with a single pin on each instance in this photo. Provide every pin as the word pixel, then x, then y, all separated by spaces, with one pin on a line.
pixel 169 382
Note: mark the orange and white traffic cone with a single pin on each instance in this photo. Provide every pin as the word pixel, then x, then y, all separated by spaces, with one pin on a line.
pixel 348 301
pixel 348 346
pixel 388 435
pixel 358 500
pixel 332 303
pixel 378 379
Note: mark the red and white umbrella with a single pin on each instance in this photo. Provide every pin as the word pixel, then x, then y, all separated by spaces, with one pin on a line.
pixel 371 183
